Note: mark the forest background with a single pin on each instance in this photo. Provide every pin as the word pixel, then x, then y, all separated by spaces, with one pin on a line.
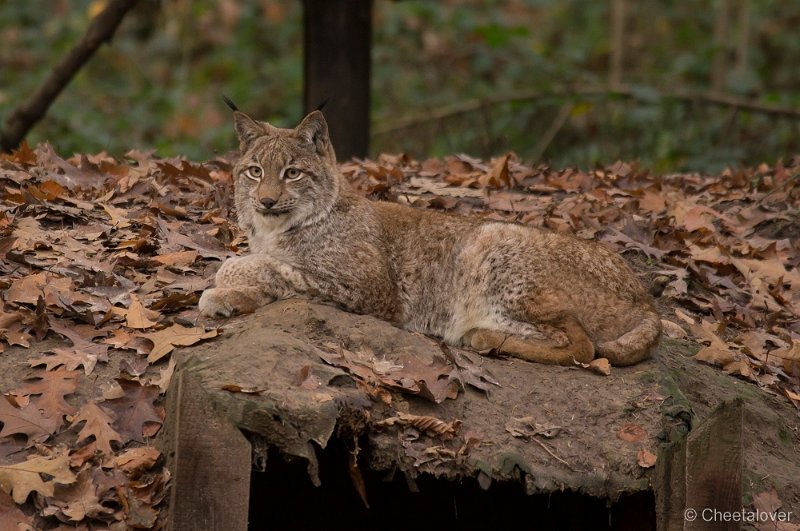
pixel 573 82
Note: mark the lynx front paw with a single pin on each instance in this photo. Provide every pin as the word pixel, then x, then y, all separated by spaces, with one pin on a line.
pixel 213 304
pixel 226 302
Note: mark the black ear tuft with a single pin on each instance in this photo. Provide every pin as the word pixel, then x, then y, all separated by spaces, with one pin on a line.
pixel 323 103
pixel 229 103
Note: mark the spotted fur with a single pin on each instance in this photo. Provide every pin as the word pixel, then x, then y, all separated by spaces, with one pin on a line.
pixel 532 293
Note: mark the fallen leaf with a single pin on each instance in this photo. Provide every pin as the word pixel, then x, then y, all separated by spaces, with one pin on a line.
pixel 21 479
pixel 70 358
pixel 673 330
pixel 180 258
pixel 430 425
pixel 51 388
pixel 631 433
pixel 715 356
pixel 767 501
pixel 165 341
pixel 790 355
pixel 139 317
pixel 11 517
pixel 645 458
pixel 134 461
pixel 98 425
pixel 134 410
pixel 79 500
pixel 307 380
pixel 28 421
pixel 164 376
pixel 244 389
pixel 527 427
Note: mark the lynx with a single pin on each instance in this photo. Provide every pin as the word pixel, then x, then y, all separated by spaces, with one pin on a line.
pixel 524 291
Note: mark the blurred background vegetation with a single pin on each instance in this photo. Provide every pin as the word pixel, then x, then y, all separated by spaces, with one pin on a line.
pixel 476 76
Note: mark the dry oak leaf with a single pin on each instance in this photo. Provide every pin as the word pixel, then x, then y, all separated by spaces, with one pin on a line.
pixel 28 421
pixel 673 330
pixel 52 387
pixel 78 500
pixel 631 433
pixel 790 356
pixel 164 341
pixel 22 478
pixel 135 409
pixel 27 290
pixel 139 317
pixel 70 358
pixel 713 355
pixel 98 425
pixel 527 427
pixel 164 376
pixel 11 516
pixel 769 504
pixel 431 425
pixel 645 458
pixel 81 337
pixel 136 460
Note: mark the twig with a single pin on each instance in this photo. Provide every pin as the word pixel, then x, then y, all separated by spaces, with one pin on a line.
pixel 552 131
pixel 617 42
pixel 546 449
pixel 25 116
pixel 719 62
pixel 437 115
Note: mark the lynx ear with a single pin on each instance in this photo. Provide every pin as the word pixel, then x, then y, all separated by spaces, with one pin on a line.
pixel 314 130
pixel 247 129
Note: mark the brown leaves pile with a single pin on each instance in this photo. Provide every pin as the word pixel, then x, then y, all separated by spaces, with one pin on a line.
pixel 722 251
pixel 106 259
pixel 99 257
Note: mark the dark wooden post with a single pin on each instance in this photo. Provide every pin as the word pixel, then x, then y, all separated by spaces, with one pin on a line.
pixel 699 478
pixel 337 37
pixel 210 461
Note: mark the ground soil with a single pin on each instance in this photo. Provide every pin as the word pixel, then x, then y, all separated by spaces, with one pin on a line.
pixel 582 417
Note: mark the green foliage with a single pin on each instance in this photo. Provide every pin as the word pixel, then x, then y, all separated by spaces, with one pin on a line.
pixel 159 84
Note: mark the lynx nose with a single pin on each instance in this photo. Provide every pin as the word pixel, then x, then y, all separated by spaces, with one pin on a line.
pixel 268 202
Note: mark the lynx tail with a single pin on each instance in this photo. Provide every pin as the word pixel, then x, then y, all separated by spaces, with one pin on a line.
pixel 634 345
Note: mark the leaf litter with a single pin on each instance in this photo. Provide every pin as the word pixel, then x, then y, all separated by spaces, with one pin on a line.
pixel 106 256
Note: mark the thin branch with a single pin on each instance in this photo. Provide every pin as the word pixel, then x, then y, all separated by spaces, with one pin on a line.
pixel 25 116
pixel 719 66
pixel 743 37
pixel 549 451
pixel 435 115
pixel 552 131
pixel 617 42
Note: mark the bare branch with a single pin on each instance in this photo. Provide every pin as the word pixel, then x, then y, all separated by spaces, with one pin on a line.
pixel 438 114
pixel 25 116
pixel 617 42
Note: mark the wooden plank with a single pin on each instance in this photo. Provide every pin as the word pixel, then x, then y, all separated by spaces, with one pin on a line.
pixel 337 38
pixel 209 459
pixel 669 486
pixel 702 472
pixel 714 469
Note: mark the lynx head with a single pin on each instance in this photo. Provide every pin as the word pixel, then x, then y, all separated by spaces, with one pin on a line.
pixel 284 178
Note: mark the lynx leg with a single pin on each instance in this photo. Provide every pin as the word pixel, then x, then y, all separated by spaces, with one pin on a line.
pixel 578 349
pixel 247 282
pixel 225 302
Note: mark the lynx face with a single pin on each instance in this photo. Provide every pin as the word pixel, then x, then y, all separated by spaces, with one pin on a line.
pixel 285 177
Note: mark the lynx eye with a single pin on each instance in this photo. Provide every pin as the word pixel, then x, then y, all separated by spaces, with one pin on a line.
pixel 292 174
pixel 254 172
